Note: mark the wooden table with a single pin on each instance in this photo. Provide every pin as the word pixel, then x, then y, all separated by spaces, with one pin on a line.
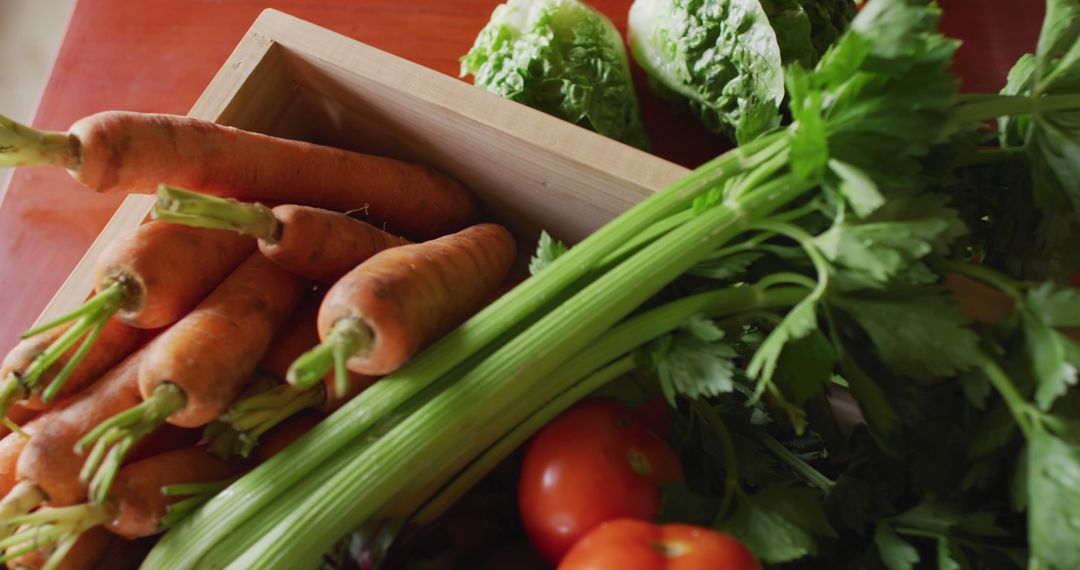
pixel 158 55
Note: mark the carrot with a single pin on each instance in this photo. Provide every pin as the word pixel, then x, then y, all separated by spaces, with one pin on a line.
pixel 11 446
pixel 259 410
pixel 389 307
pixel 48 359
pixel 48 468
pixel 86 553
pixel 133 152
pixel 148 279
pixel 193 371
pixel 320 245
pixel 143 502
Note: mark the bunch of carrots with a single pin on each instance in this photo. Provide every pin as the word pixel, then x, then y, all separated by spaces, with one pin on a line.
pixel 221 330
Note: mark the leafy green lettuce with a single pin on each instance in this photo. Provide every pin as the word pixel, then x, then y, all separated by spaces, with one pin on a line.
pixel 561 57
pixel 726 57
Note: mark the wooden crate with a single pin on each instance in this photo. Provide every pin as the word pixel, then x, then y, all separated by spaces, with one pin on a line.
pixel 291 78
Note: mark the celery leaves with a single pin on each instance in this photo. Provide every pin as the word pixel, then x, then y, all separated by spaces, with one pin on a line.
pixel 693 362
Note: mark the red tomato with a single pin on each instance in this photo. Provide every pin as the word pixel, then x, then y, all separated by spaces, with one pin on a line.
pixel 628 544
pixel 594 463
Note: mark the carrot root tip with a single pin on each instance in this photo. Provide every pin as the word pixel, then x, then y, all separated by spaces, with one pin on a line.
pixel 114 437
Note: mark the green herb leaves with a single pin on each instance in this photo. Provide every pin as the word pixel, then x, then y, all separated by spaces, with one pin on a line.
pixel 561 57
pixel 780 523
pixel 1053 500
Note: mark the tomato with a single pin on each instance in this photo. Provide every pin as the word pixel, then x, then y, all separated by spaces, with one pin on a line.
pixel 595 462
pixel 627 544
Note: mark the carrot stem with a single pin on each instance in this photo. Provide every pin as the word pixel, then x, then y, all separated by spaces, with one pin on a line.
pixel 251 417
pixel 21 145
pixel 60 553
pixel 47 527
pixel 199 494
pixel 179 206
pixel 92 317
pixel 20 500
pixel 114 437
pixel 347 337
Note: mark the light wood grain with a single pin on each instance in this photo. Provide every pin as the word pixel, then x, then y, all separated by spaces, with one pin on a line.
pixel 291 78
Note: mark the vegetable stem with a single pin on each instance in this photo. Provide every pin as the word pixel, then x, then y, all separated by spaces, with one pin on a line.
pixel 813 476
pixel 21 145
pixel 347 337
pixel 44 528
pixel 251 417
pixel 92 317
pixel 22 498
pixel 1022 411
pixel 727 449
pixel 179 206
pixel 1011 105
pixel 114 437
pixel 993 278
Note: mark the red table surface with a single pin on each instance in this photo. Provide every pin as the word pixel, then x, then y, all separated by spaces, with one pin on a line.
pixel 158 55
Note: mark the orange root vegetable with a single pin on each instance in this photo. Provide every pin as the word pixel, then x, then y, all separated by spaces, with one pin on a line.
pixel 193 371
pixel 392 305
pixel 11 446
pixel 317 244
pixel 134 152
pixel 239 430
pixel 148 279
pixel 146 499
pixel 30 371
pixel 48 467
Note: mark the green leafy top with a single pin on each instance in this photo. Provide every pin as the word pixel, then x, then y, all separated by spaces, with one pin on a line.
pixel 561 57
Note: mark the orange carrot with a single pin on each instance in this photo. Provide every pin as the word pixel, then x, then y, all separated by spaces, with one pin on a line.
pixel 389 307
pixel 144 501
pixel 133 152
pixel 259 410
pixel 193 371
pixel 48 468
pixel 165 270
pixel 116 341
pixel 317 244
pixel 148 279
